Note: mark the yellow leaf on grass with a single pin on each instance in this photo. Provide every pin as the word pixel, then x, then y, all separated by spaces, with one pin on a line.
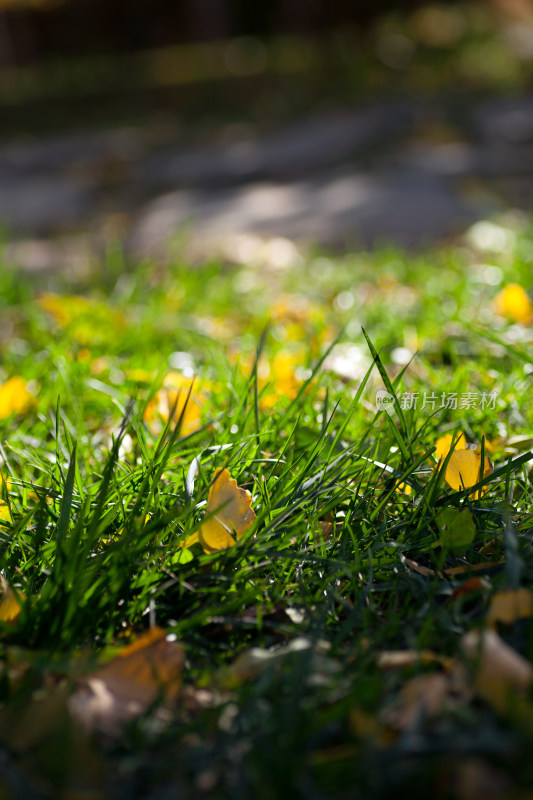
pixel 15 398
pixel 464 470
pixel 175 399
pixel 229 511
pixel 5 513
pixel 443 445
pixel 87 320
pixel 279 377
pixel 513 303
pixel 510 605
pixel 10 607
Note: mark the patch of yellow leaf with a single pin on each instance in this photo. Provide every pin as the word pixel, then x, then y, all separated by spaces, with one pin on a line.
pixel 140 375
pixel 514 304
pixel 87 320
pixel 177 400
pixel 404 488
pixel 10 607
pixel 279 377
pixel 229 514
pixel 464 470
pixel 5 513
pixel 15 397
pixel 443 445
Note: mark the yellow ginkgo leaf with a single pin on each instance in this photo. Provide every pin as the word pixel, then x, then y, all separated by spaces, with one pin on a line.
pixel 14 397
pixel 5 513
pixel 464 470
pixel 444 445
pixel 10 607
pixel 279 376
pixel 229 514
pixel 513 303
pixel 175 399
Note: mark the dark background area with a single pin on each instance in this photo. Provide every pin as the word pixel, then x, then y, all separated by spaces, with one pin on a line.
pixel 41 29
pixel 340 123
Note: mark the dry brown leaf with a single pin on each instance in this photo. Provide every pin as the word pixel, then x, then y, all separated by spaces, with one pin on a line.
pixel 501 671
pixel 422 696
pixel 400 659
pixel 510 605
pixel 474 584
pixel 143 673
pixel 366 726
pixel 450 572
pixel 251 663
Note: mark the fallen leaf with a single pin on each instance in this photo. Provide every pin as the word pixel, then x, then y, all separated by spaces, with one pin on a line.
pixel 253 662
pixel 147 671
pixel 500 670
pixel 451 572
pixel 40 734
pixel 421 697
pixel 513 303
pixel 176 400
pixel 457 529
pixel 278 378
pixel 229 514
pixel 10 607
pixel 509 606
pixel 443 445
pixel 366 726
pixel 464 470
pixel 474 584
pixel 473 778
pixel 87 320
pixel 400 659
pixel 406 488
pixel 15 398
pixel 518 443
pixel 5 513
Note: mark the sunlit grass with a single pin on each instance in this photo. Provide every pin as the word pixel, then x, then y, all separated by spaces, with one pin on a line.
pixel 363 540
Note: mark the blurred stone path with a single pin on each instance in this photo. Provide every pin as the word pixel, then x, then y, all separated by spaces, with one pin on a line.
pixel 407 172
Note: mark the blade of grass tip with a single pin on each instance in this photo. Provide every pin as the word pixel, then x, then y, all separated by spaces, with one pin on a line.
pixel 157 462
pixel 256 390
pixel 481 473
pixel 163 450
pixel 353 404
pixel 287 443
pixel 252 379
pixel 514 565
pixel 390 388
pixel 92 530
pixel 57 442
pixel 64 516
pixel 429 497
pixel 404 477
pixel 325 421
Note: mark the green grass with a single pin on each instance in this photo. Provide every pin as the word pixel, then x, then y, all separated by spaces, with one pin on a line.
pixel 99 505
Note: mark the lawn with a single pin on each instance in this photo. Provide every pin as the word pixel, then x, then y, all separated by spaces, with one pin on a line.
pixel 266 527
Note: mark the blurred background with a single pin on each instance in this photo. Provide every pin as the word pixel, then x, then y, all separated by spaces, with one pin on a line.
pixel 217 125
